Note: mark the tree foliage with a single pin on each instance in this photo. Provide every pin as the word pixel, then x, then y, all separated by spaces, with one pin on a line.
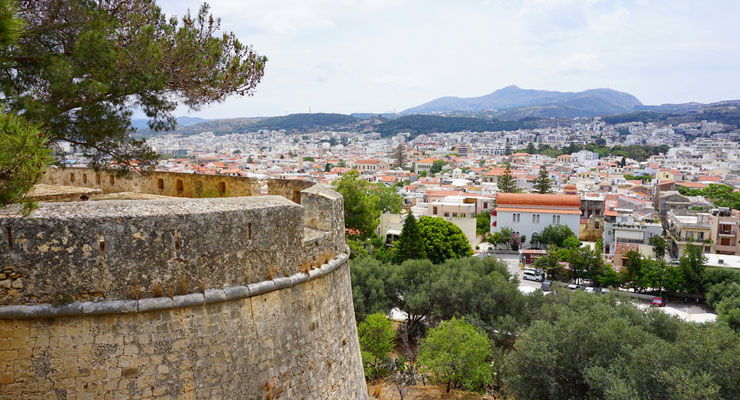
pixel 377 338
pixel 457 355
pixel 443 239
pixel 692 266
pixel 483 223
pixel 555 234
pixel 370 287
pixel 721 195
pixel 586 346
pixel 364 202
pixel 79 69
pixel 660 246
pixel 542 183
pixel 24 156
pixel 410 245
pixel 507 183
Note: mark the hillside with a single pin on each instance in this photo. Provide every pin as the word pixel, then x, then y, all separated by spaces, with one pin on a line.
pixel 418 124
pixel 290 123
pixel 142 124
pixel 541 103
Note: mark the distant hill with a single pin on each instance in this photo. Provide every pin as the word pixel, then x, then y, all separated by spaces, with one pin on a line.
pixel 141 124
pixel 537 103
pixel 290 123
pixel 418 124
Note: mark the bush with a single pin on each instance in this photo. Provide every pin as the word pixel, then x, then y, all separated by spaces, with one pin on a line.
pixel 376 336
pixel 457 354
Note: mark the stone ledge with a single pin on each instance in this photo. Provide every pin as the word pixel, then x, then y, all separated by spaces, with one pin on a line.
pixel 165 303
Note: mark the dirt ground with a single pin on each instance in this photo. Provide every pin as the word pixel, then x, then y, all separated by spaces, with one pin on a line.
pixel 387 391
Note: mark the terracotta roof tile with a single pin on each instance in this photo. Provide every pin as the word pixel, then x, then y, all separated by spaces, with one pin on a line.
pixel 533 199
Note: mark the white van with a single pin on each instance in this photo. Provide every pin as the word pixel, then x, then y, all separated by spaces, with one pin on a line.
pixel 531 276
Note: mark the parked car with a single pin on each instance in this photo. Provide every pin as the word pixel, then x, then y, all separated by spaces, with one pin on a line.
pixel 604 291
pixel 589 289
pixel 573 287
pixel 546 286
pixel 534 271
pixel 657 302
pixel 531 276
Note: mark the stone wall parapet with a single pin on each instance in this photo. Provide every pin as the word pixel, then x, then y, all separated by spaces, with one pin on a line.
pixel 211 296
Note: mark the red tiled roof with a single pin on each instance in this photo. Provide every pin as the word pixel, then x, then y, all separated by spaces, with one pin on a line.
pixel 540 210
pixel 533 199
pixel 695 185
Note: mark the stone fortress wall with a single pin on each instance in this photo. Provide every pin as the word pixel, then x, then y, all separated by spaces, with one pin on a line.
pixel 234 298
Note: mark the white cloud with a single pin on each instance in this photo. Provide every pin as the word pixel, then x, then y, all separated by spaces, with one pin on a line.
pixel 578 63
pixel 409 80
pixel 290 17
pixel 607 23
pixel 377 55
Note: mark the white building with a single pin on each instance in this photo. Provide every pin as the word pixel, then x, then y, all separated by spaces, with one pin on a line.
pixel 530 213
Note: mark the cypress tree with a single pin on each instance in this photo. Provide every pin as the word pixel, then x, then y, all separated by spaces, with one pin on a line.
pixel 506 183
pixel 410 245
pixel 543 184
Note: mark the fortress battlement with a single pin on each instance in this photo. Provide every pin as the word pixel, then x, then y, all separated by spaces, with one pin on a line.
pixel 239 296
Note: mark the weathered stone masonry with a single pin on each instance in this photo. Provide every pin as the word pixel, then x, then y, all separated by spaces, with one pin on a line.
pixel 233 298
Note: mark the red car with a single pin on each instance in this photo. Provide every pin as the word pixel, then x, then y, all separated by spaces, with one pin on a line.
pixel 657 302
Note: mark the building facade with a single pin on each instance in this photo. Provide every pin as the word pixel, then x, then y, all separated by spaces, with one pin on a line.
pixel 529 213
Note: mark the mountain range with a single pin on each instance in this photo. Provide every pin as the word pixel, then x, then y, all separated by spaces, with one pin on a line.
pixel 536 103
pixel 510 108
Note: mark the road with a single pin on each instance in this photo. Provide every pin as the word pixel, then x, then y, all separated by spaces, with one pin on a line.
pixel 688 312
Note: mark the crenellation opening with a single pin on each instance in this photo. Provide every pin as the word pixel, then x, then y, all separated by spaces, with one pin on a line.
pixel 249 231
pixel 222 188
pixel 176 237
pixel 198 188
pixel 160 184
pixel 101 241
pixel 9 234
pixel 179 187
pixel 72 177
pixel 112 179
pixel 97 179
pixel 297 196
pixel 84 179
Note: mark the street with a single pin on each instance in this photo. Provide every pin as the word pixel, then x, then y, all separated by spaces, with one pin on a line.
pixel 686 311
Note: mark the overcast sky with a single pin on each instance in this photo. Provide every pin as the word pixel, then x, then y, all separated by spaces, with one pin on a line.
pixel 383 55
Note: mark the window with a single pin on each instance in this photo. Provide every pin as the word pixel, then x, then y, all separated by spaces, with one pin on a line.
pixel 596 225
pixel 222 189
pixel 160 184
pixel 538 218
pixel 84 178
pixel 112 180
pixel 689 235
pixel 447 214
pixel 179 186
pixel 513 217
pixel 701 235
pixel 707 249
pixel 454 215
pixel 485 204
pixel 97 179
pixel 597 212
pixel 434 210
pixel 533 218
pixel 72 177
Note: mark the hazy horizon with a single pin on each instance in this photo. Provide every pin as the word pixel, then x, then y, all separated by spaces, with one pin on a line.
pixel 378 56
